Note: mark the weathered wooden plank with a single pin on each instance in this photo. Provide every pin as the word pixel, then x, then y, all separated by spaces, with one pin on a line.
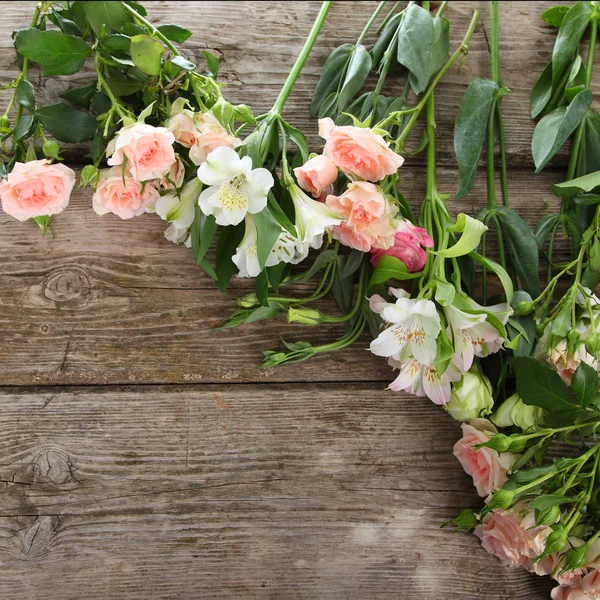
pixel 258 43
pixel 111 301
pixel 236 492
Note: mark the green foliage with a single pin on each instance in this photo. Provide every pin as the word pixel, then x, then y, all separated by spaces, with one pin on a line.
pixel 67 124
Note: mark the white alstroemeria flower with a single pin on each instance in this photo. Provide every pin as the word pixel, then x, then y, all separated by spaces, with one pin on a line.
pixel 235 188
pixel 501 311
pixel 423 380
pixel 415 326
pixel 177 235
pixel 472 335
pixel 287 249
pixel 312 218
pixel 180 210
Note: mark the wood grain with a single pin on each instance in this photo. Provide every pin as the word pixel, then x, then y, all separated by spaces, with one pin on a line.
pixel 236 491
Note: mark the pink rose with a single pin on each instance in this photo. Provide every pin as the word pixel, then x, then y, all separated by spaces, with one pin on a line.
pixel 368 217
pixel 316 174
pixel 210 134
pixel 183 128
pixel 487 468
pixel 36 189
pixel 359 152
pixel 587 588
pixel 407 247
pixel 126 200
pixel 147 151
pixel 511 536
pixel 174 178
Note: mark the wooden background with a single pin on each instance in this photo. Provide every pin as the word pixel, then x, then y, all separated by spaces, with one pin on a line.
pixel 143 456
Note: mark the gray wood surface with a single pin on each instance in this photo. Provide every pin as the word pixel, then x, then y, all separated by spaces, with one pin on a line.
pixel 143 456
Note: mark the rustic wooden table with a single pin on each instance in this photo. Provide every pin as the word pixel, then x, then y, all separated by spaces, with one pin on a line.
pixel 143 456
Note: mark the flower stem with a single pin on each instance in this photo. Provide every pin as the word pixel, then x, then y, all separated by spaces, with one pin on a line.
pixel 370 22
pixel 301 60
pixel 153 30
pixel 462 49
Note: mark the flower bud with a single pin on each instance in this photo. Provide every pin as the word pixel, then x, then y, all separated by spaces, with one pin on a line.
pixel 248 301
pixel 573 339
pixel 498 442
pixel 51 149
pixel 471 397
pixel 89 176
pixel 592 343
pixel 548 516
pixel 223 111
pixel 243 114
pixel 556 541
pixel 4 122
pixel 575 558
pixel 501 500
pixel 523 308
pixel 514 412
pixel 305 316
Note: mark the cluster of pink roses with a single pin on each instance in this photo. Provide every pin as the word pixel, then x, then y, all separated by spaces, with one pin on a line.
pixel 512 535
pixel 370 222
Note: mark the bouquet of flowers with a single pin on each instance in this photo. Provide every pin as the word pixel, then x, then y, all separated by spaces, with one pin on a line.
pixel 164 139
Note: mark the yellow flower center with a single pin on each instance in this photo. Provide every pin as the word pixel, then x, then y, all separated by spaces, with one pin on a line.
pixel 232 193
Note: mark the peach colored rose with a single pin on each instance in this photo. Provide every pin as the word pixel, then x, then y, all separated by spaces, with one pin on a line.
pixel 210 134
pixel 174 178
pixel 587 588
pixel 36 189
pixel 122 195
pixel 368 217
pixel 511 536
pixel 487 468
pixel 146 150
pixel 316 174
pixel 183 128
pixel 358 151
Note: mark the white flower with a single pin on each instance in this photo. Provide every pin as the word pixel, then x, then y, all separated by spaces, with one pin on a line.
pixel 180 210
pixel 472 335
pixel 312 218
pixel 415 326
pixel 235 188
pixel 287 249
pixel 423 380
pixel 176 235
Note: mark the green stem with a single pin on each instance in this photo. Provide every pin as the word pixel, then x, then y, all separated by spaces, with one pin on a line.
pixel 370 22
pixel 388 17
pixel 503 168
pixel 462 49
pixel 441 9
pixel 115 102
pixel 153 30
pixel 359 296
pixel 489 162
pixel 301 60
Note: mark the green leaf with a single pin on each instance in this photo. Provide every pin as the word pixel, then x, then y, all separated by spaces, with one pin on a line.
pixel 580 185
pixel 356 74
pixel 268 230
pixel 441 44
pixel 67 124
pixel 175 33
pixel 585 384
pixel 117 43
pixel 470 129
pixel 499 270
pixel 299 139
pixel 122 85
pixel 573 25
pixel 80 96
pixel 229 240
pixel 389 267
pixel 383 42
pixel 65 25
pixel 341 290
pixel 321 261
pixel 332 72
pixel 146 54
pixel 24 128
pixel 522 249
pixel 353 261
pixel 444 354
pixel 113 15
pixel 471 230
pixel 589 150
pixel 25 95
pixel 542 91
pixel 541 386
pixel 444 292
pixel 212 61
pixel 554 16
pixel 415 44
pixel 56 52
pixel 554 129
pixel 202 234
pixel 546 224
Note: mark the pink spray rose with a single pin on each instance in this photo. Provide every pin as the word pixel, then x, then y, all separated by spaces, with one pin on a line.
pixel 487 468
pixel 358 151
pixel 407 247
pixel 316 174
pixel 183 128
pixel 126 200
pixel 210 135
pixel 511 536
pixel 174 178
pixel 147 151
pixel 368 217
pixel 36 189
pixel 587 588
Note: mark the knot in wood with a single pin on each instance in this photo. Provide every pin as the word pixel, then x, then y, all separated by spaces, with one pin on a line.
pixel 66 284
pixel 53 467
pixel 37 538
